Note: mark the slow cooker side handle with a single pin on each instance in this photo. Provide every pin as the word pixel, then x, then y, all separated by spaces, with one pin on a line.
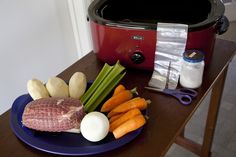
pixel 87 18
pixel 222 25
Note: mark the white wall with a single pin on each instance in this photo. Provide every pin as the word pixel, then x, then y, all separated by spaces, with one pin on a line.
pixel 36 41
pixel 230 10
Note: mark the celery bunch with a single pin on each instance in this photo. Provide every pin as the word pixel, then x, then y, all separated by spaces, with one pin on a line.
pixel 106 80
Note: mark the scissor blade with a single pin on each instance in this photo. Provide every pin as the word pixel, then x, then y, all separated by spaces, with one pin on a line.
pixel 154 89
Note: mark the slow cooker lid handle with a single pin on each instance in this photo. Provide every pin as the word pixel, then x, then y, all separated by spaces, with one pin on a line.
pixel 222 25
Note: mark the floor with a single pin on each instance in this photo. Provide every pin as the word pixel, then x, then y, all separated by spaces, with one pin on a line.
pixel 224 143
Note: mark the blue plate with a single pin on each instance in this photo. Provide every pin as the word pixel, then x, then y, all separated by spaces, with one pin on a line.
pixel 61 143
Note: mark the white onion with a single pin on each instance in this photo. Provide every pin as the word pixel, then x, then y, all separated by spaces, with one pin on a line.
pixel 94 126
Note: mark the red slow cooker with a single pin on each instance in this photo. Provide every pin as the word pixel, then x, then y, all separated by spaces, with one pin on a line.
pixel 125 30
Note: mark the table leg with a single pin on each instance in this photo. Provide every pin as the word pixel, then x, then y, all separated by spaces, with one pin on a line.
pixel 214 105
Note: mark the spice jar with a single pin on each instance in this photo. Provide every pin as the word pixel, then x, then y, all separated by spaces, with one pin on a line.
pixel 192 69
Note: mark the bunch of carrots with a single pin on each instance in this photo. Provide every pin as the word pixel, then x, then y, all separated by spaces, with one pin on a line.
pixel 124 111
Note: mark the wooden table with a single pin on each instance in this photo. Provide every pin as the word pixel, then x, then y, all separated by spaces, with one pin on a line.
pixel 167 117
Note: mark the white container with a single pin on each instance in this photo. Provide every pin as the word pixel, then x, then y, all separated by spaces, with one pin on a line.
pixel 192 69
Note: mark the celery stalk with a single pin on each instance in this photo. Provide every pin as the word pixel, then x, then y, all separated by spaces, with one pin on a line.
pixel 101 76
pixel 105 92
pixel 116 70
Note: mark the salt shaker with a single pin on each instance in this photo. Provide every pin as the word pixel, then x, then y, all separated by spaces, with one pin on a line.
pixel 192 69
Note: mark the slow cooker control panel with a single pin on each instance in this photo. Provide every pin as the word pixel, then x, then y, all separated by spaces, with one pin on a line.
pixel 137 57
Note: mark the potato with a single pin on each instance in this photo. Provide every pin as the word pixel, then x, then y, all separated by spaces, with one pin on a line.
pixel 37 89
pixel 57 87
pixel 77 85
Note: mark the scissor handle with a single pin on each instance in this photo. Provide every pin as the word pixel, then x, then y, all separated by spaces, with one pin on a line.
pixel 184 97
pixel 186 91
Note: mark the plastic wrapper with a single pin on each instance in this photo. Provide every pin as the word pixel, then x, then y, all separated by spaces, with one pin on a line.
pixel 170 45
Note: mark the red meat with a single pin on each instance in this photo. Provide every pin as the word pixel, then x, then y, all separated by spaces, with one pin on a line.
pixel 53 114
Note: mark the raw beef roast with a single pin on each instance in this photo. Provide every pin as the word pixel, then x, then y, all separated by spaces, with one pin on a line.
pixel 54 114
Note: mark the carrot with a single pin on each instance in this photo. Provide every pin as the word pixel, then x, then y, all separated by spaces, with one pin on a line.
pixel 118 99
pixel 128 126
pixel 128 115
pixel 137 102
pixel 118 89
pixel 115 117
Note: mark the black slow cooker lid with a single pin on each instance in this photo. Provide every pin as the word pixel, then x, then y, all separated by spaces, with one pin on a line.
pixel 146 14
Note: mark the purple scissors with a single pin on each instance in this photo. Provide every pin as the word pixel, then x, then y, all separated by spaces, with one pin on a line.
pixel 184 95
